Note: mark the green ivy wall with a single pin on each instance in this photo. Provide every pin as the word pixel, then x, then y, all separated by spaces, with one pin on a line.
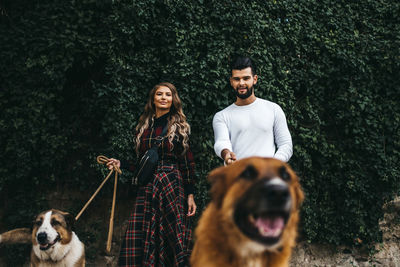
pixel 74 78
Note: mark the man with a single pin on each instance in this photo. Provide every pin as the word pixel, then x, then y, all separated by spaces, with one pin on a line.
pixel 251 126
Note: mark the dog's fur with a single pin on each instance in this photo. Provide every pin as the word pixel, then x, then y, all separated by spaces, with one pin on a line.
pixel 53 241
pixel 252 218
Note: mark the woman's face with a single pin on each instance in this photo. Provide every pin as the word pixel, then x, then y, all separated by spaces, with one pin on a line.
pixel 163 98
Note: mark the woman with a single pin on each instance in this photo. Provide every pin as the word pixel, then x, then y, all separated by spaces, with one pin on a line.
pixel 158 232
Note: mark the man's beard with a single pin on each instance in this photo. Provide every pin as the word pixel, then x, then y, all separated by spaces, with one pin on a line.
pixel 246 95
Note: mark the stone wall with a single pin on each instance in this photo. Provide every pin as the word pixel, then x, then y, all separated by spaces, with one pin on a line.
pixel 385 254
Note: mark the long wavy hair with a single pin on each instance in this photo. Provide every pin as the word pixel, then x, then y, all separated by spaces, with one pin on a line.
pixel 177 124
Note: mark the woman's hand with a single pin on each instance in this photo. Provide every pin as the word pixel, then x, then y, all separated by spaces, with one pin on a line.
pixel 113 162
pixel 192 206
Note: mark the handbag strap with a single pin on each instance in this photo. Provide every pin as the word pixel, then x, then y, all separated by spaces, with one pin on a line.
pixel 161 137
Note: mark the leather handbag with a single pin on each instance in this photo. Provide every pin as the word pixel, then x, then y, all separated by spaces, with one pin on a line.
pixel 148 162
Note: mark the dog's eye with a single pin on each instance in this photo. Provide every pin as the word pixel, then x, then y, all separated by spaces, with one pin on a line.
pixel 283 173
pixel 250 173
pixel 55 222
pixel 38 223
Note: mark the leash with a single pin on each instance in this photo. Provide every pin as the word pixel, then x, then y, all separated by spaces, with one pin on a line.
pixel 104 160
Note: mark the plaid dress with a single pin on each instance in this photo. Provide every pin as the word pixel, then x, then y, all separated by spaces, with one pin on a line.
pixel 159 231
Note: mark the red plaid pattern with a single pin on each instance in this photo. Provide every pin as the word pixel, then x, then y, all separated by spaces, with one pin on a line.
pixel 168 153
pixel 159 231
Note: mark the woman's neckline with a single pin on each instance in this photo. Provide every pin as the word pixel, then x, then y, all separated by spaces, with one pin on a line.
pixel 162 116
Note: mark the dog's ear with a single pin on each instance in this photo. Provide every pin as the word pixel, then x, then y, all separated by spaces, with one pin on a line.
pixel 218 185
pixel 33 222
pixel 70 220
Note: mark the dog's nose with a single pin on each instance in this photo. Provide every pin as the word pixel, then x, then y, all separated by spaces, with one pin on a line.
pixel 276 194
pixel 42 237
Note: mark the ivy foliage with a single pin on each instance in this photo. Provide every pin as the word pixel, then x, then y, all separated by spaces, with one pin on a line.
pixel 74 78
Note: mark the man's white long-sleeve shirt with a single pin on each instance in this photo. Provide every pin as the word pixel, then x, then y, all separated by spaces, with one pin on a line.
pixel 257 129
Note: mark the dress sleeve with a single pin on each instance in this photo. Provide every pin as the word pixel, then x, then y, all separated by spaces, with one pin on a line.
pixel 128 165
pixel 186 166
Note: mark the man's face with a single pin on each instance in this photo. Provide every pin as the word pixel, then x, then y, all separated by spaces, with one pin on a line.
pixel 242 81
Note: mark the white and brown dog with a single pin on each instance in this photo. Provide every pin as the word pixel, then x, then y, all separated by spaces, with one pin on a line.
pixel 53 241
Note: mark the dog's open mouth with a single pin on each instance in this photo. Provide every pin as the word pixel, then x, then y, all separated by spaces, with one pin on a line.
pixel 269 226
pixel 265 228
pixel 46 246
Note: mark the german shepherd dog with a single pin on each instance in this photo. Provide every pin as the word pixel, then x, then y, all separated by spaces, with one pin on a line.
pixel 252 217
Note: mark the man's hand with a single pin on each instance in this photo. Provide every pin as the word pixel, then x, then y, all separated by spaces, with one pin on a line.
pixel 228 156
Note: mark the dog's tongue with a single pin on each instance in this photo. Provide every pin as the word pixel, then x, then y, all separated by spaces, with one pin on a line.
pixel 269 227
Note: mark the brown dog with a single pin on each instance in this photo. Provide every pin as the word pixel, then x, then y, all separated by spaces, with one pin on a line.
pixel 252 218
pixel 53 241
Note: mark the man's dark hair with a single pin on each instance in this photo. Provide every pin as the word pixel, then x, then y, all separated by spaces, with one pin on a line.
pixel 240 63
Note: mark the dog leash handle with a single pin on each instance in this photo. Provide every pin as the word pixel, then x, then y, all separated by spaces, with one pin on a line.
pixel 103 160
